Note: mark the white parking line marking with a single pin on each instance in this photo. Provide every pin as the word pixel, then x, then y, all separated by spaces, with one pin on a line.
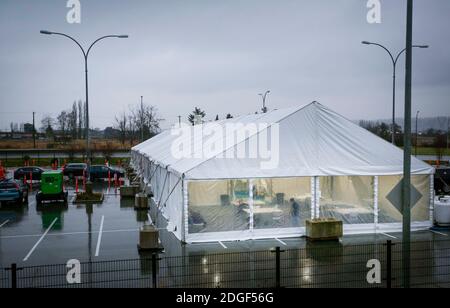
pixel 443 234
pixel 283 243
pixel 4 223
pixel 149 218
pixel 388 235
pixel 40 240
pixel 99 240
pixel 68 233
pixel 223 245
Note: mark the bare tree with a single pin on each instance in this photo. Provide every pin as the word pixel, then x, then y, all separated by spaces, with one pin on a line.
pixel 146 121
pixel 121 126
pixel 47 124
pixel 131 128
pixel 440 145
pixel 72 119
pixel 62 124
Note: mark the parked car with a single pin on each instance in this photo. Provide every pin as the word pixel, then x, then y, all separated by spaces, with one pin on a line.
pixel 442 180
pixel 101 172
pixel 52 187
pixel 13 191
pixel 21 173
pixel 73 170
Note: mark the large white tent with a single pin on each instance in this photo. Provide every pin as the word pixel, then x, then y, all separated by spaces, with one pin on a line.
pixel 329 165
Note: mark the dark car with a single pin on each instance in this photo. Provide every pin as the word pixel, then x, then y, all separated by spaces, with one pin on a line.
pixel 73 170
pixel 13 191
pixel 101 172
pixel 35 172
pixel 442 180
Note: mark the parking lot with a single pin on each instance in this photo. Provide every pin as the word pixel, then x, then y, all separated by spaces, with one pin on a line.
pixel 53 234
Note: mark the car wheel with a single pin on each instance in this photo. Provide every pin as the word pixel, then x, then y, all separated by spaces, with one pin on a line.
pixel 25 198
pixel 38 199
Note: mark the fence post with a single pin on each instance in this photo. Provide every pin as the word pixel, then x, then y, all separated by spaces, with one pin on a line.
pixel 14 276
pixel 13 270
pixel 154 269
pixel 389 264
pixel 278 252
pixel 277 273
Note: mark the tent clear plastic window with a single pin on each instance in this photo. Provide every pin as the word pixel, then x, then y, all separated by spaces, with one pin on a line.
pixel 218 206
pixel 281 202
pixel 347 198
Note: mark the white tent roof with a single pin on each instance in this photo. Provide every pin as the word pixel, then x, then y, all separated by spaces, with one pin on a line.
pixel 313 141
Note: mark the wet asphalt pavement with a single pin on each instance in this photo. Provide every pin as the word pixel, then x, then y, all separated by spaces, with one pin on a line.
pixel 54 234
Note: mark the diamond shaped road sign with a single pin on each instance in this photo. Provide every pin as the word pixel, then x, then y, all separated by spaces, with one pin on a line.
pixel 395 196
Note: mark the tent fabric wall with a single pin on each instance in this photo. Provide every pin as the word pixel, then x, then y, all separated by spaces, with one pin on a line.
pixel 168 193
pixel 329 165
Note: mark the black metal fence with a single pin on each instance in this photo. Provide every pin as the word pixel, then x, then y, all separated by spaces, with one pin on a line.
pixel 315 266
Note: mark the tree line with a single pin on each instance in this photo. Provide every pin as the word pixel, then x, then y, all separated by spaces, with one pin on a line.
pixel 69 124
pixel 139 123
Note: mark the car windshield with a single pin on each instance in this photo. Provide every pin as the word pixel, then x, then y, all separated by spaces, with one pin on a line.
pixel 7 185
pixel 76 166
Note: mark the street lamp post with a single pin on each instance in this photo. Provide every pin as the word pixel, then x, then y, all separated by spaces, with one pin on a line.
pixel 417 131
pixel 394 65
pixel 85 55
pixel 264 96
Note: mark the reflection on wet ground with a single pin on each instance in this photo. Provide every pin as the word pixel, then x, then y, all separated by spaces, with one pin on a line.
pixel 53 234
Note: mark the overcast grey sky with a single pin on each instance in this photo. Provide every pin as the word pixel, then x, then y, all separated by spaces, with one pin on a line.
pixel 219 55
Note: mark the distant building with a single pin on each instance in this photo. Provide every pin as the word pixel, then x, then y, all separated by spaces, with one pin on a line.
pixel 110 132
pixel 28 128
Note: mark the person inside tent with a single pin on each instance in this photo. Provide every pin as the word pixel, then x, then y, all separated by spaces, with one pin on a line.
pixel 295 213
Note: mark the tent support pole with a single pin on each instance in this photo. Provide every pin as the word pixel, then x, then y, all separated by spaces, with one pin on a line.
pixel 160 196
pixel 171 191
pixel 375 202
pixel 250 205
pixel 318 193
pixel 313 197
pixel 431 199
pixel 185 208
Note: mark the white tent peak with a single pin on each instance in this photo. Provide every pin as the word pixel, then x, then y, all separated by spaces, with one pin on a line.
pixel 313 141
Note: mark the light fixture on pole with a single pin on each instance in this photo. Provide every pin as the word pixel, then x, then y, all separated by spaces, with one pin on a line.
pixel 85 55
pixel 264 97
pixel 394 65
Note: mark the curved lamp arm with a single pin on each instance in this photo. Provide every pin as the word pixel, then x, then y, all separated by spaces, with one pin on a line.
pixel 85 53
pixel 414 46
pixel 68 36
pixel 103 37
pixel 379 45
